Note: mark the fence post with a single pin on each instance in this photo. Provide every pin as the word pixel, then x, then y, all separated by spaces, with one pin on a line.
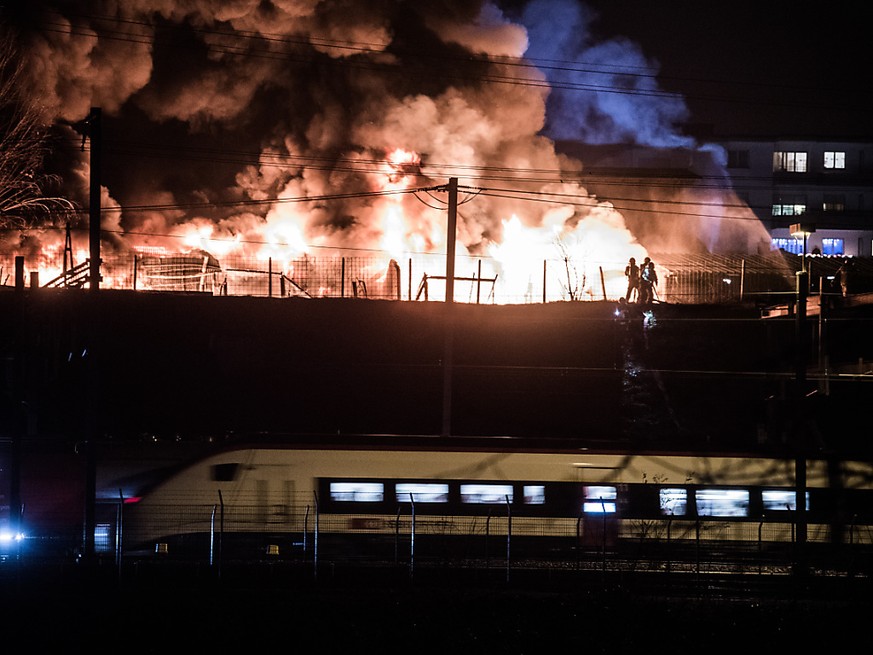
pixel 669 539
pixel 397 536
pixel 220 532
pixel 487 537
pixel 212 537
pixel 578 541
pixel 315 540
pixel 478 281
pixel 305 530
pixel 119 534
pixel 760 544
pixel 508 535
pixel 602 282
pixel 603 537
pixel 412 537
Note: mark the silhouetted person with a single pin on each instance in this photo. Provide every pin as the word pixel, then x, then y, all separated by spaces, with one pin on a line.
pixel 648 282
pixel 632 272
pixel 844 273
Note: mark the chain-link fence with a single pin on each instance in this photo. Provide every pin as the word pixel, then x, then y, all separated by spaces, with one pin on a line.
pixel 301 534
pixel 682 278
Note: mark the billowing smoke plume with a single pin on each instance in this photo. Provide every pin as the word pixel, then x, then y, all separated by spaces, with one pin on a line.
pixel 274 127
pixel 610 93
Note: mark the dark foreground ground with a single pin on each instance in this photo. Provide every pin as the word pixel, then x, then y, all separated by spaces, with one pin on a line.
pixel 256 612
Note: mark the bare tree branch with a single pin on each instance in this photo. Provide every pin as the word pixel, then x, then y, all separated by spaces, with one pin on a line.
pixel 24 145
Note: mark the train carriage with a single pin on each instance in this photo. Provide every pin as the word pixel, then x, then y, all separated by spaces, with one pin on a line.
pixel 467 502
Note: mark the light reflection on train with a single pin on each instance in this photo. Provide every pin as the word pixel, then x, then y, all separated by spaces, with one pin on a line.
pixel 361 500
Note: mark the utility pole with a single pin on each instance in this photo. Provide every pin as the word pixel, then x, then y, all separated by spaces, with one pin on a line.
pixel 450 299
pixel 94 128
pixel 800 436
pixel 92 373
pixel 451 239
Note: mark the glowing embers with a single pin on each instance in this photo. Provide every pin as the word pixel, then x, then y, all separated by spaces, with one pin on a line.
pixel 599 500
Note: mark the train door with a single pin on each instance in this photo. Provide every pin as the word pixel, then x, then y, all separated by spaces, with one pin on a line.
pixel 599 516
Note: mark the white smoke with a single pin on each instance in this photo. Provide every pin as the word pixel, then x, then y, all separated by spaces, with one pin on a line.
pixel 602 92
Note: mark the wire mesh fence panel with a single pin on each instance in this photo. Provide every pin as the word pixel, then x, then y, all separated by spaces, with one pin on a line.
pixel 335 273
pixel 299 532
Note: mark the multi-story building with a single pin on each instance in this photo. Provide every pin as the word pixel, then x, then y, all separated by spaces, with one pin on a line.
pixel 814 196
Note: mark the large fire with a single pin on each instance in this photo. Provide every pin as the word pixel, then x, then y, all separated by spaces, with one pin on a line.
pixel 357 135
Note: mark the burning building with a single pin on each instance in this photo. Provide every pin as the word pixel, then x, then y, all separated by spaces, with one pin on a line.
pixel 280 133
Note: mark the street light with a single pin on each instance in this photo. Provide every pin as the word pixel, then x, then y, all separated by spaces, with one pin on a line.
pixel 798 230
pixel 800 473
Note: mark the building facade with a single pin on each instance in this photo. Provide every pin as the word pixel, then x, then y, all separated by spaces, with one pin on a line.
pixel 824 186
pixel 814 196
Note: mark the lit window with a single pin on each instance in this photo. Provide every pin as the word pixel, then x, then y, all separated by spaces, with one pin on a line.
pixel 599 500
pixel 534 494
pixel 789 209
pixel 103 538
pixel 357 492
pixel 781 499
pixel 791 162
pixel 422 492
pixel 832 247
pixel 486 493
pixel 834 159
pixel 674 502
pixel 722 502
pixel 794 246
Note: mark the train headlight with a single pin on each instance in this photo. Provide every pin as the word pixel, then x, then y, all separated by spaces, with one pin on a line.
pixel 7 537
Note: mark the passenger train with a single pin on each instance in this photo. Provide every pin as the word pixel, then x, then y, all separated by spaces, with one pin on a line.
pixel 356 500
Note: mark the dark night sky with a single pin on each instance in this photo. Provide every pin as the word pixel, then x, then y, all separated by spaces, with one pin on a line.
pixel 761 67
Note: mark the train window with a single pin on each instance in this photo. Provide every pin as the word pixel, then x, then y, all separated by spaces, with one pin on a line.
pixel 534 494
pixel 722 502
pixel 674 502
pixel 781 499
pixel 599 500
pixel 103 538
pixel 225 472
pixel 422 492
pixel 486 493
pixel 357 492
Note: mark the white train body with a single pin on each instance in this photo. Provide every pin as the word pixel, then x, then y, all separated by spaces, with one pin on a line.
pixel 293 494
